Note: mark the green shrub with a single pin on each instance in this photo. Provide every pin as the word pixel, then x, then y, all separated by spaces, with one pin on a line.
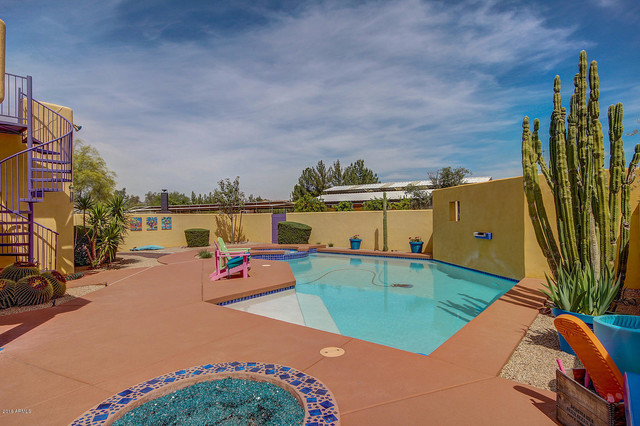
pixel 344 206
pixel 293 233
pixel 80 255
pixel 205 254
pixel 307 203
pixel 197 237
pixel 74 276
pixel 375 204
pixel 19 270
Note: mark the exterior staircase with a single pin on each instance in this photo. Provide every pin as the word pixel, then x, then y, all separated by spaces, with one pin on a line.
pixel 45 165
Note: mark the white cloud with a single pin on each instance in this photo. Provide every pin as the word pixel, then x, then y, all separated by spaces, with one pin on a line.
pixel 400 84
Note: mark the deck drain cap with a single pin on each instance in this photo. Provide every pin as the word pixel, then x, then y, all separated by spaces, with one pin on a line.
pixel 331 352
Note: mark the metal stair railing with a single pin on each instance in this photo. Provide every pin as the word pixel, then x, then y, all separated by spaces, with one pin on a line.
pixel 45 166
pixel 11 109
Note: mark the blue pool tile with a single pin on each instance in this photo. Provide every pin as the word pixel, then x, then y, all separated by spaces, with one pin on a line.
pixel 170 379
pixel 269 371
pixel 153 381
pixel 100 417
pixel 326 404
pixel 103 406
pixel 124 401
pixel 146 390
pixel 306 390
pixel 125 392
pixel 296 382
pixel 315 412
pixel 321 392
pixel 312 399
pixel 330 418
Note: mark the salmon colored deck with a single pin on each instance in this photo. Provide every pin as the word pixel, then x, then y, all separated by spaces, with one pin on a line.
pixel 61 361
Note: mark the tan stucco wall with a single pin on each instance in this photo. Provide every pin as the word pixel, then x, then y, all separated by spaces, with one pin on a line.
pixel 497 208
pixel 329 227
pixel 500 207
pixel 338 227
pixel 254 227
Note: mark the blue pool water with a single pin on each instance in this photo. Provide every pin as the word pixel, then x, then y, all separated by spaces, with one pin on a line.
pixel 414 305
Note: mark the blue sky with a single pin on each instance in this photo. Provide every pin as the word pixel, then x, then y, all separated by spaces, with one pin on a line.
pixel 180 94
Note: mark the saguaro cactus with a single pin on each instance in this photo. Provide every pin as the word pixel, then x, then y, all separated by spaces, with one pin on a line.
pixel 588 199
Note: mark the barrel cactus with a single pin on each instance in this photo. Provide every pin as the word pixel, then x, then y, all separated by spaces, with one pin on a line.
pixel 33 290
pixel 592 204
pixel 57 281
pixel 7 293
pixel 18 270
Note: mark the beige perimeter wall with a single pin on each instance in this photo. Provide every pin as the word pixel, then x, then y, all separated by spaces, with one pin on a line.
pixel 500 207
pixel 328 227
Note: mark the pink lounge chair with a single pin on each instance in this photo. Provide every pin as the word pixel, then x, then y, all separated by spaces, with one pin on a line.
pixel 236 261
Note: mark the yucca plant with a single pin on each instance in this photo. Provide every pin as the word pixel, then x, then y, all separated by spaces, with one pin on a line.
pixel 107 229
pixel 579 290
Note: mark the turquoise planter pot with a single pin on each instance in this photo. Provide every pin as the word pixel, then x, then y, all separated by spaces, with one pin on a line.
pixel 355 243
pixel 587 319
pixel 620 336
pixel 416 247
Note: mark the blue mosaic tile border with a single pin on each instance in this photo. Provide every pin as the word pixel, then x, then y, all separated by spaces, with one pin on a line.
pixel 253 296
pixel 320 406
pixel 426 260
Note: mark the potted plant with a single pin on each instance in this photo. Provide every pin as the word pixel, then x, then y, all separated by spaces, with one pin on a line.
pixel 355 242
pixel 579 293
pixel 416 244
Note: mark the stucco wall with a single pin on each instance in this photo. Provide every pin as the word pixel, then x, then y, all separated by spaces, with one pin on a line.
pixel 496 207
pixel 254 227
pixel 338 227
pixel 500 207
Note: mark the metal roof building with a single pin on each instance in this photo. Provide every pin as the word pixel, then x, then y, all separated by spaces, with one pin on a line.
pixel 358 194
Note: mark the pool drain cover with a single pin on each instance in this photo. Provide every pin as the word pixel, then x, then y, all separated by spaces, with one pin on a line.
pixel 402 285
pixel 331 352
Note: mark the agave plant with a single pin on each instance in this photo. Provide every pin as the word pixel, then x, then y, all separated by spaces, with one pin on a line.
pixel 578 290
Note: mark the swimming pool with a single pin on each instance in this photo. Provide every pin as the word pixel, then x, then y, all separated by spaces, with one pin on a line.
pixel 414 305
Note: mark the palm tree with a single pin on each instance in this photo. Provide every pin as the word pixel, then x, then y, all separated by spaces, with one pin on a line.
pixel 82 204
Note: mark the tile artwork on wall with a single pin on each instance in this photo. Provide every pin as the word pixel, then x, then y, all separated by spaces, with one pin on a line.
pixel 166 223
pixel 136 224
pixel 152 223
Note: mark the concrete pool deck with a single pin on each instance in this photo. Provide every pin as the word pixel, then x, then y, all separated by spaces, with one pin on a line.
pixel 61 361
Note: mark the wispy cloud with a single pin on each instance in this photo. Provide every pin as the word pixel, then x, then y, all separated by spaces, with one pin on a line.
pixel 404 85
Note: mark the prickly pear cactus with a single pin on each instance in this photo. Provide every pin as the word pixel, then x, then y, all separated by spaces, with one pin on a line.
pixel 57 281
pixel 18 270
pixel 7 293
pixel 33 290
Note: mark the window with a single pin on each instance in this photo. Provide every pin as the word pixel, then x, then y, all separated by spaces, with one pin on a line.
pixel 454 211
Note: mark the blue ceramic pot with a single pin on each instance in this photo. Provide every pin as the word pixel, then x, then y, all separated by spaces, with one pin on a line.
pixel 620 336
pixel 355 243
pixel 587 319
pixel 416 247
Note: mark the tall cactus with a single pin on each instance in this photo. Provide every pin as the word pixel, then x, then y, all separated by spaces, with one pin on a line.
pixel 385 246
pixel 592 205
